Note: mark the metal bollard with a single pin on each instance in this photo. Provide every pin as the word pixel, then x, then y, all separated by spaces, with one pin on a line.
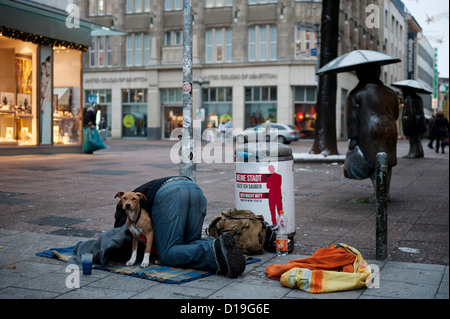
pixel 381 206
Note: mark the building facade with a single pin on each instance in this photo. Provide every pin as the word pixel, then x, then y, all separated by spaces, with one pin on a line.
pixel 253 60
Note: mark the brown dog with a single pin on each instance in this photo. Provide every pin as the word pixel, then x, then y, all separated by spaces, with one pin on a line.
pixel 138 223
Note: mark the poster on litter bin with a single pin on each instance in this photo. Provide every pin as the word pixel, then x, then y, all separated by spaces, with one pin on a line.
pixel 265 188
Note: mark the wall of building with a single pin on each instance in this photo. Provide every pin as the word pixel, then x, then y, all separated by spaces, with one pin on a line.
pixel 294 66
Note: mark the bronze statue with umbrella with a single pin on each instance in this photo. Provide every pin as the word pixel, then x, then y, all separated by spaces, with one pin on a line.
pixel 413 117
pixel 372 112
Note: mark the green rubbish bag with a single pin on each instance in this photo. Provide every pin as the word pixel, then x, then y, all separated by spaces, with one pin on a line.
pixel 92 141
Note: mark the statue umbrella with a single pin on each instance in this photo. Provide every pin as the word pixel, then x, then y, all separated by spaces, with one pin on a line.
pixel 350 61
pixel 412 84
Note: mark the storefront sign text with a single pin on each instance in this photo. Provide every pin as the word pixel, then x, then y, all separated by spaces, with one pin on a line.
pixel 116 80
pixel 252 76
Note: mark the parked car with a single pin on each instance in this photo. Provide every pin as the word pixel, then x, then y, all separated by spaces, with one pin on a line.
pixel 283 133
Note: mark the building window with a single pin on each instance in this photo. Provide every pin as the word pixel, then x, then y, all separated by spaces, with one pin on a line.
pixel 172 104
pixel 173 5
pixel 218 3
pixel 219 45
pixel 171 96
pixel 138 49
pixel 305 110
pixel 260 105
pixel 103 100
pixel 173 38
pixel 146 48
pixel 262 43
pixel 100 52
pixel 217 103
pixel 92 52
pixel 305 44
pixel 137 6
pixel 100 7
pixel 66 99
pixel 134 113
pixel 19 103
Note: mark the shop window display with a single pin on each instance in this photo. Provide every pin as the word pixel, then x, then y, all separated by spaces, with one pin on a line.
pixel 305 110
pixel 134 111
pixel 217 103
pixel 66 97
pixel 17 97
pixel 48 87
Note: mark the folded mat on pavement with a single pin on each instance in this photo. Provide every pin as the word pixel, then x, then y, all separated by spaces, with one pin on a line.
pixel 110 245
pixel 337 268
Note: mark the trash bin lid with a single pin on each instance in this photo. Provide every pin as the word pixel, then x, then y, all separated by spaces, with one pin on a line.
pixel 263 152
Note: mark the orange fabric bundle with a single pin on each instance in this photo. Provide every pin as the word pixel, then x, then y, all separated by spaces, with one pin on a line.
pixel 332 259
pixel 337 268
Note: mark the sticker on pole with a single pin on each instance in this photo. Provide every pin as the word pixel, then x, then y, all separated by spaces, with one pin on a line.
pixel 187 87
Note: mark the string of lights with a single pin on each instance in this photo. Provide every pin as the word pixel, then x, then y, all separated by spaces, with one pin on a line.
pixel 39 39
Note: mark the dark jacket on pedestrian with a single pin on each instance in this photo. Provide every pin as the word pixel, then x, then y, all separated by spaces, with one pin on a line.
pixel 431 135
pixel 89 116
pixel 441 125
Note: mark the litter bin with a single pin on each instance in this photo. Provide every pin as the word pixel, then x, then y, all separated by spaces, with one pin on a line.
pixel 265 181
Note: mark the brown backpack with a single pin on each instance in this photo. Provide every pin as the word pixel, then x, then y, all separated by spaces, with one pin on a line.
pixel 248 229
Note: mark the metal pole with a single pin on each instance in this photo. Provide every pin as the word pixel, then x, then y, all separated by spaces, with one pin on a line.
pixel 381 206
pixel 187 165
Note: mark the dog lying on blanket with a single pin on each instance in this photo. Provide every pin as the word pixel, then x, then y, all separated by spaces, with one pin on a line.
pixel 139 224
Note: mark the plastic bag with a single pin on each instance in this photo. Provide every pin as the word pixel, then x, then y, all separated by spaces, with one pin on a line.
pixel 356 165
pixel 92 141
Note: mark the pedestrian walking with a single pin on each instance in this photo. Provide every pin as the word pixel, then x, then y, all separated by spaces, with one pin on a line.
pixel 223 130
pixel 431 136
pixel 92 141
pixel 440 128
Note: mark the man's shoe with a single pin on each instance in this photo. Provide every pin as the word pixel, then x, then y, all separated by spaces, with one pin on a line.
pixel 230 259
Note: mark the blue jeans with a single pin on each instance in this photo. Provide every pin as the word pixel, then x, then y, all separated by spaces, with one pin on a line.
pixel 178 212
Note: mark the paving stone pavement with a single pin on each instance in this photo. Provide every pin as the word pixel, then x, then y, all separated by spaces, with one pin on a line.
pixel 58 200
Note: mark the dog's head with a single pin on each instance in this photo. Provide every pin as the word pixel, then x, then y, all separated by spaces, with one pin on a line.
pixel 130 200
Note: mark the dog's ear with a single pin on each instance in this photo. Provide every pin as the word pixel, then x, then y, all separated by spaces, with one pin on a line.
pixel 119 194
pixel 141 196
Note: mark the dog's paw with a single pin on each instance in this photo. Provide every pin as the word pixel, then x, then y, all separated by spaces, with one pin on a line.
pixel 130 262
pixel 145 264
pixel 157 262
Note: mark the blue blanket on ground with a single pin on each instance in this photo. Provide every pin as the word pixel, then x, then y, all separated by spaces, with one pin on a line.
pixel 110 245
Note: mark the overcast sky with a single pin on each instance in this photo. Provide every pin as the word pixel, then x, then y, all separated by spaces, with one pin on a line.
pixel 433 16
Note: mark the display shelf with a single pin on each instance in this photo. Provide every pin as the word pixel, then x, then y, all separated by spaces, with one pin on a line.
pixel 8 135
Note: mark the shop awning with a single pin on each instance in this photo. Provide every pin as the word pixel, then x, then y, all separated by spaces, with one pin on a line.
pixel 36 22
